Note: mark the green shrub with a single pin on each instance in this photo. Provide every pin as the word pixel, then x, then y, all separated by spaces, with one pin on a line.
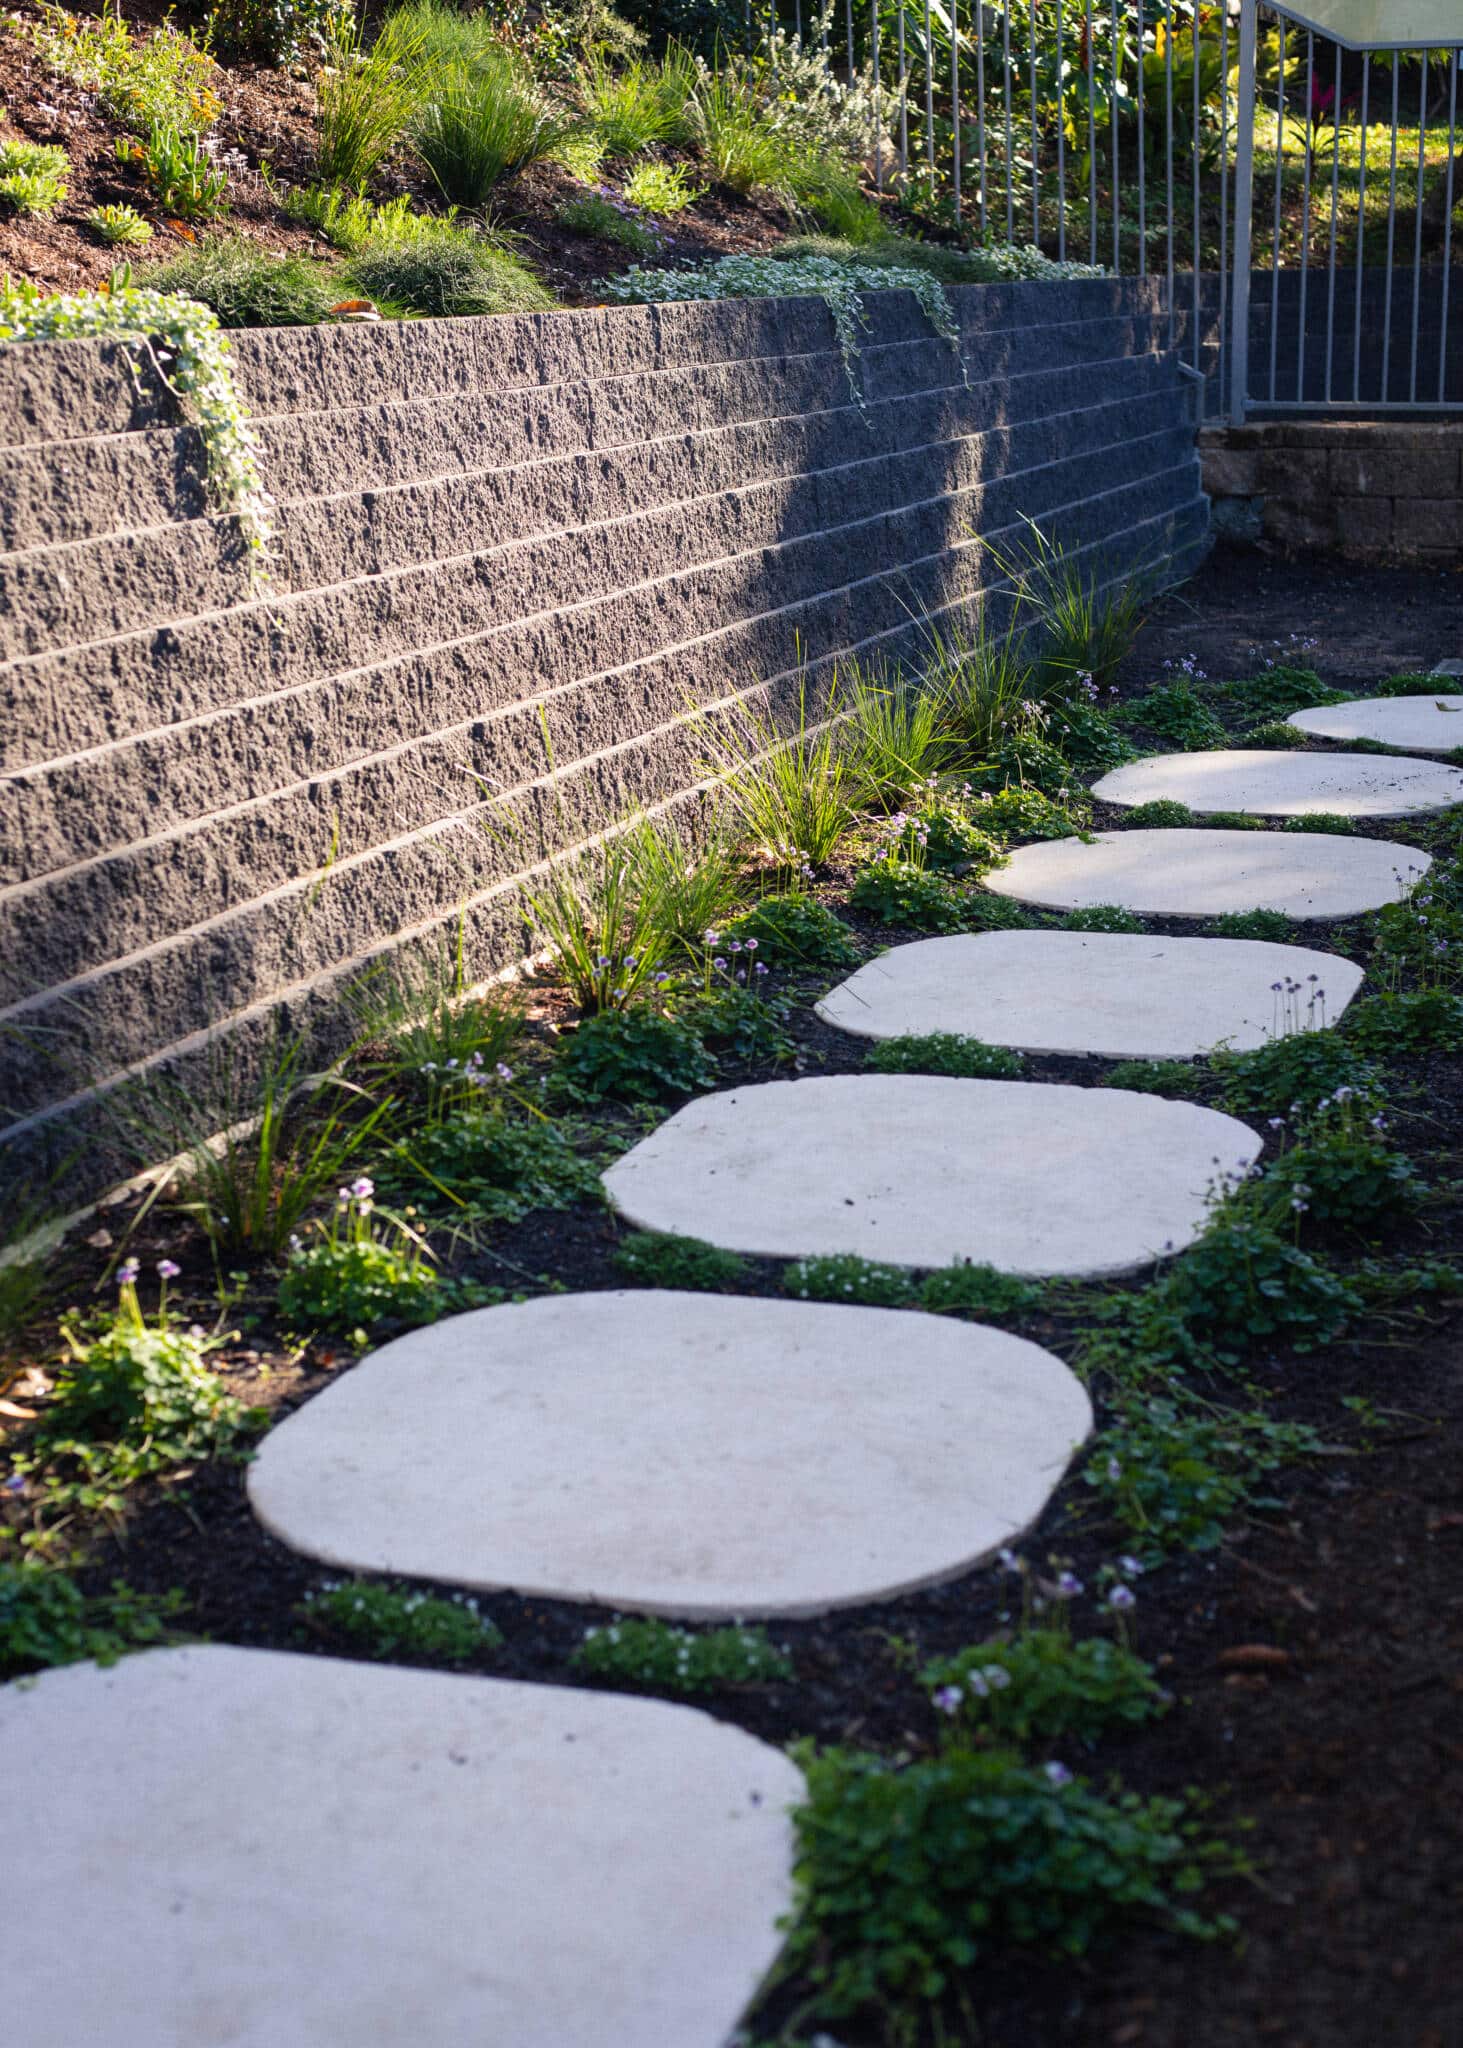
pixel 1296 1070
pixel 843 1276
pixel 33 176
pixel 1243 1284
pixel 248 285
pixel 944 1052
pixel 597 214
pixel 1390 1026
pixel 496 1165
pixel 1347 1182
pixel 120 227
pixel 478 122
pixel 1173 712
pixel 940 834
pixel 357 1273
pixel 659 1259
pixel 907 1875
pixel 741 1023
pixel 1013 814
pixel 1321 821
pixel 1415 686
pixel 1173 1476
pixel 634 1055
pixel 1042 1685
pixel 396 1621
pixel 652 1654
pixel 439 268
pixel 1154 1077
pixel 904 892
pixel 1101 917
pixel 797 932
pixel 1163 811
pixel 1024 759
pixel 1278 691
pixel 662 190
pixel 345 219
pixel 1270 925
pixel 275 31
pixel 981 1291
pixel 46 1619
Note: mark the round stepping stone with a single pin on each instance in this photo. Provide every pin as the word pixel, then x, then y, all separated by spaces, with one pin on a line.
pixel 921 1170
pixel 1200 873
pixel 1414 725
pixel 1277 784
pixel 278 1851
pixel 684 1454
pixel 1125 995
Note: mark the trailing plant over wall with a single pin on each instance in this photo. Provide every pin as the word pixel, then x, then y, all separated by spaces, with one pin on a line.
pixel 183 340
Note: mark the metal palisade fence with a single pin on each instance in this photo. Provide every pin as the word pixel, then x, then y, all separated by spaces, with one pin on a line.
pixel 1299 192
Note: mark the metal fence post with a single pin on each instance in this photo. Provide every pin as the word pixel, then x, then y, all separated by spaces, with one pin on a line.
pixel 1244 199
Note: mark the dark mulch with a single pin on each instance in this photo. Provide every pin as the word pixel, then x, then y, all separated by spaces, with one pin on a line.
pixel 1344 1753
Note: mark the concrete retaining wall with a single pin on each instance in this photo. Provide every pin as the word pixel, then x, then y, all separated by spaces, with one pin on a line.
pixel 512 552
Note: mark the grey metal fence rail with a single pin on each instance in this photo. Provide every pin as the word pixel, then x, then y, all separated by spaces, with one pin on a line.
pixel 1296 193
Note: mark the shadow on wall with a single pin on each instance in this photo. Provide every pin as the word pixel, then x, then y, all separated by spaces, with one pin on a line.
pixel 512 554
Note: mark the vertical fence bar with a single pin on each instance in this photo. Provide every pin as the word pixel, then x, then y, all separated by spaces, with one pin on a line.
pixel 1035 138
pixel 930 98
pixel 1244 199
pixel 1305 221
pixel 903 103
pixel 1196 254
pixel 1386 390
pixel 1061 142
pixel 1091 139
pixel 1168 155
pixel 1447 232
pixel 1275 224
pixel 1117 79
pixel 878 95
pixel 980 107
pixel 1142 156
pixel 955 98
pixel 1335 208
pixel 848 26
pixel 1417 236
pixel 1006 70
pixel 1366 86
pixel 1223 363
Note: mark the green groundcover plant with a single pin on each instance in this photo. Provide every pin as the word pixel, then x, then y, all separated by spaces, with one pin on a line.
pixel 653 1653
pixel 400 1621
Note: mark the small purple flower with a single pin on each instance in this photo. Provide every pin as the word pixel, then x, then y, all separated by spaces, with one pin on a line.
pixel 719 964
pixel 1058 1775
pixel 127 1273
pixel 1122 1597
pixel 15 1483
pixel 1131 1567
pixel 168 1270
pixel 505 1072
pixel 947 1699
pixel 1114 1471
pixel 751 945
pixel 1008 1561
pixel 1068 1586
pixel 761 968
pixel 997 1677
pixel 363 1189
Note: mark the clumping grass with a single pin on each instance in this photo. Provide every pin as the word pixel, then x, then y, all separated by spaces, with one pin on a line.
pixel 655 1654
pixel 398 1621
pixel 479 121
pixel 597 915
pixel 687 883
pixel 440 268
pixel 983 677
pixel 368 96
pixel 634 106
pixel 246 284
pixel 793 795
pixel 894 738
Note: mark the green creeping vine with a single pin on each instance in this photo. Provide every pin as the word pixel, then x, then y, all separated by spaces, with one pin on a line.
pixel 841 287
pixel 193 359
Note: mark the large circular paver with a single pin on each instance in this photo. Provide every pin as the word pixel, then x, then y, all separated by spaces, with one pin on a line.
pixel 921 1170
pixel 1277 784
pixel 1123 994
pixel 240 1847
pixel 1199 873
pixel 1414 725
pixel 684 1454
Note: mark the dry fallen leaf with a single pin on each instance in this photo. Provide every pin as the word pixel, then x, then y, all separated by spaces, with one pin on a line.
pixel 1254 1657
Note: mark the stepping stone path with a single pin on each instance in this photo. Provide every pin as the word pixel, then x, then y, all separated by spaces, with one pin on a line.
pixel 1192 872
pixel 1124 995
pixel 1284 785
pixel 1414 725
pixel 681 1454
pixel 921 1170
pixel 287 1852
